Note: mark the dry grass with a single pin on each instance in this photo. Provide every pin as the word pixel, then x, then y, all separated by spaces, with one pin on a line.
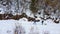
pixel 51 3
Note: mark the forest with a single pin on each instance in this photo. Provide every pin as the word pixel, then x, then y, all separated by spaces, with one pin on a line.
pixel 16 9
pixel 29 16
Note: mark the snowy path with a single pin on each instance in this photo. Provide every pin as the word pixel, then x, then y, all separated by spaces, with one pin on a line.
pixel 8 26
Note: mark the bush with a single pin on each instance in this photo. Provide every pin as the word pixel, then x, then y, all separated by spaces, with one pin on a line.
pixel 33 6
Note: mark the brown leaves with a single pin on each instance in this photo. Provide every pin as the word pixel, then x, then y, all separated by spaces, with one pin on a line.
pixel 52 3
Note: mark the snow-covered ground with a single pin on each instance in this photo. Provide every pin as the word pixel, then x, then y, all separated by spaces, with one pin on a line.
pixel 30 27
pixel 48 27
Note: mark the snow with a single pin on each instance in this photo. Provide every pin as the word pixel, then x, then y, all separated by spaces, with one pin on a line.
pixel 1 11
pixel 29 13
pixel 48 27
pixel 52 27
pixel 8 26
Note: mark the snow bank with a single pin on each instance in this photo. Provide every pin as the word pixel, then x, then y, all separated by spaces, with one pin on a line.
pixel 48 27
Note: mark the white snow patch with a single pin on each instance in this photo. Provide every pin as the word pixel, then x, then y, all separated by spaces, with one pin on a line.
pixel 8 26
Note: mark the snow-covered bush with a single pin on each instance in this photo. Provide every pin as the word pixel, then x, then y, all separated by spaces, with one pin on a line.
pixel 19 29
pixel 46 32
pixel 34 30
